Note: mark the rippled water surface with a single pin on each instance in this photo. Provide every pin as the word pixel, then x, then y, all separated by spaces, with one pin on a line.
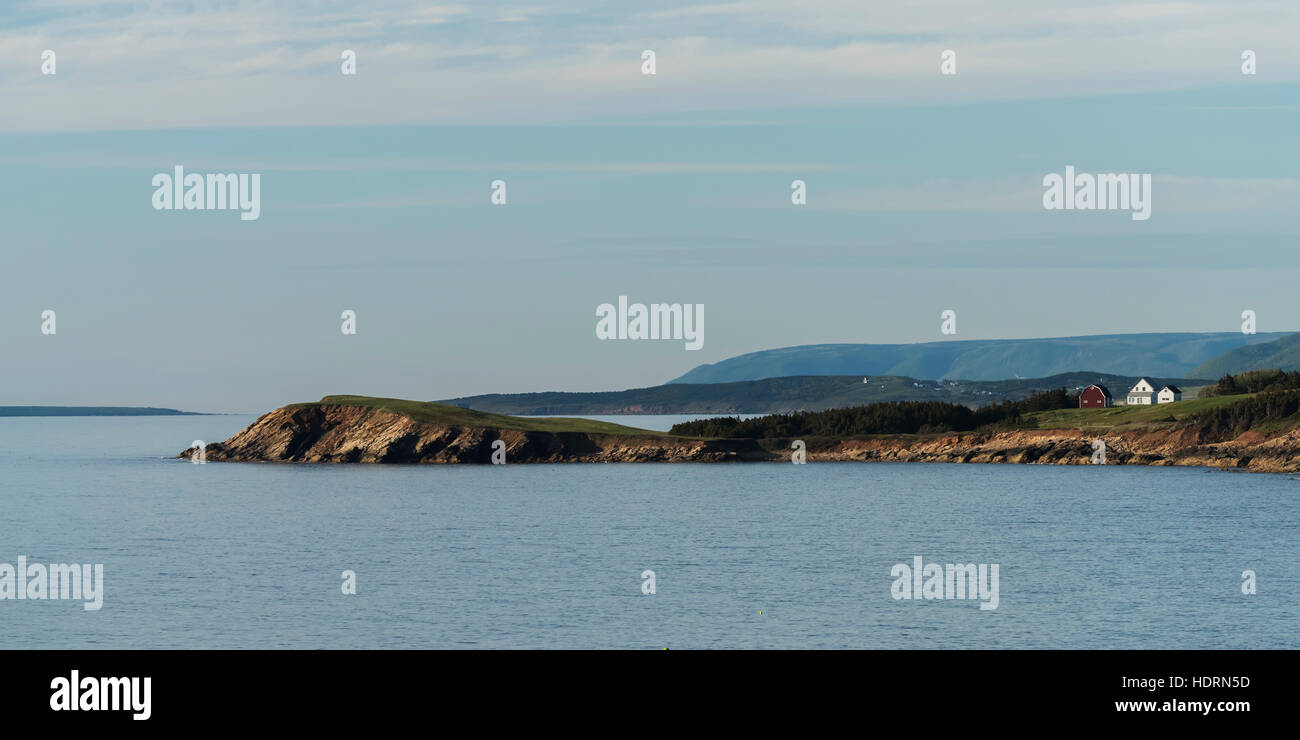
pixel 551 556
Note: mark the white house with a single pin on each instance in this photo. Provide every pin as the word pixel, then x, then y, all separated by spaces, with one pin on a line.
pixel 1169 394
pixel 1142 394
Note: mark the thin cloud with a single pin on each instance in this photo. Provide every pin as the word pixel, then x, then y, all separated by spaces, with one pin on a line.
pixel 150 66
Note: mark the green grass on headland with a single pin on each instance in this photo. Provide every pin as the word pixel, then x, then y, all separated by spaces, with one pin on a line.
pixel 1125 416
pixel 438 413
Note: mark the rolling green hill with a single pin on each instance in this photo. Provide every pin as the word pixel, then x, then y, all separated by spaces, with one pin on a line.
pixel 1282 354
pixel 781 395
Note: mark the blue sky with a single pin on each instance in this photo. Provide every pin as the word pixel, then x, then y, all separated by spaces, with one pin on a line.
pixel 924 191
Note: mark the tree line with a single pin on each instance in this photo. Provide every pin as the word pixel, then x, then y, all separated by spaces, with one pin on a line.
pixel 892 417
pixel 1254 381
pixel 1228 421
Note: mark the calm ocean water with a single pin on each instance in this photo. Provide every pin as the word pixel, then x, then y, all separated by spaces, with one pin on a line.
pixel 551 556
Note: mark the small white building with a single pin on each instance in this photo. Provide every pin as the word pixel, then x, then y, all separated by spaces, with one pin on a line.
pixel 1169 394
pixel 1142 393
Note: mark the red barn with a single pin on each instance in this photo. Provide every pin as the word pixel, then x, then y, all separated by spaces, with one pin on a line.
pixel 1095 397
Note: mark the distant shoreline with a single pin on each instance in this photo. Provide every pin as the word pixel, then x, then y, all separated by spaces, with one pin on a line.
pixel 29 411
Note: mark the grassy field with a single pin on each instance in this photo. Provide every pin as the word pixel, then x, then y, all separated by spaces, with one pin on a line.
pixel 437 413
pixel 1124 416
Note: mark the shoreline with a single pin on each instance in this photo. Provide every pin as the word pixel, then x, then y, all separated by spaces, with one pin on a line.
pixel 345 432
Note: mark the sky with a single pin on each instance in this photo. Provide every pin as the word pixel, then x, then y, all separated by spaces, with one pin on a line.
pixel 924 190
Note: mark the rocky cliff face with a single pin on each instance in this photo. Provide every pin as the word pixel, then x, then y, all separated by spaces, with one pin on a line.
pixel 331 433
pixel 334 433
pixel 1171 446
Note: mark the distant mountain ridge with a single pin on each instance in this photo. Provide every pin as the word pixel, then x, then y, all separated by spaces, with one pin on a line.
pixel 1171 354
pixel 1281 354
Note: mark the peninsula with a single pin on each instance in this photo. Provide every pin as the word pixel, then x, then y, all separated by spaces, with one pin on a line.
pixel 1257 432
